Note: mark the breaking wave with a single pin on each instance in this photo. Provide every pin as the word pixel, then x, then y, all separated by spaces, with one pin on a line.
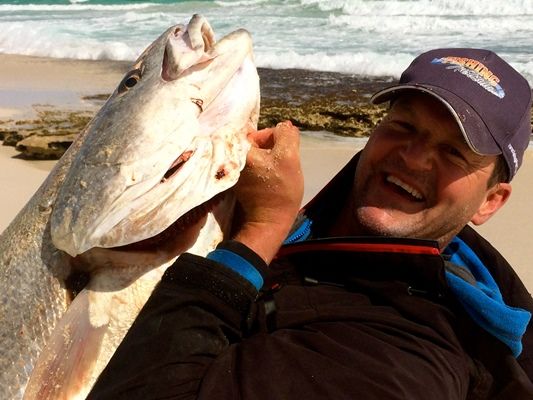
pixel 368 37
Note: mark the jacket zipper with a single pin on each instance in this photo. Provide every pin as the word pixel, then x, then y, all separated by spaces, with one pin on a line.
pixel 301 233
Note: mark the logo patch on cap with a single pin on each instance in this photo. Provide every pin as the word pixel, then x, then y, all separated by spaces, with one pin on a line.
pixel 474 70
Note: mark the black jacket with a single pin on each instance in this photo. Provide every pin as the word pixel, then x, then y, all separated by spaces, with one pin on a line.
pixel 332 321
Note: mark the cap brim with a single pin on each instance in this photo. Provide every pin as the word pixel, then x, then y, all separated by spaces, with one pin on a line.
pixel 476 134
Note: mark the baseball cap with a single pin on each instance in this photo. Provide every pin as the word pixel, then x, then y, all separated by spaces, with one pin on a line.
pixel 488 98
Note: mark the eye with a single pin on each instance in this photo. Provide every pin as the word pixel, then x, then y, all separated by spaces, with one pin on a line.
pixel 401 127
pixel 130 80
pixel 404 125
pixel 454 152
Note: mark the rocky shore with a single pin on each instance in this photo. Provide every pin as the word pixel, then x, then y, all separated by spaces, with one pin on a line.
pixel 313 101
pixel 318 101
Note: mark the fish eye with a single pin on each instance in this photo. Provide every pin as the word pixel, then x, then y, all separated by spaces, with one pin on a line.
pixel 130 80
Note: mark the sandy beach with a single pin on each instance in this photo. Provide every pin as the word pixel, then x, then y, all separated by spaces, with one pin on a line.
pixel 29 81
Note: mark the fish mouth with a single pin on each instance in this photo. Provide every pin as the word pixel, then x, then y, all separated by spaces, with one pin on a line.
pixel 176 229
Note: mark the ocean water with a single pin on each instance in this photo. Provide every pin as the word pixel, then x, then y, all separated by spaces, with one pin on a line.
pixel 367 37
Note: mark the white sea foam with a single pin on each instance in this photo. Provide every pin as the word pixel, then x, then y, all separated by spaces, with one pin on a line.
pixel 240 3
pixel 367 37
pixel 425 7
pixel 76 6
pixel 367 63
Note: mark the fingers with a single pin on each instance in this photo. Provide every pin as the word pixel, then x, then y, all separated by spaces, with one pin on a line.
pixel 286 138
pixel 274 148
pixel 267 138
pixel 270 189
pixel 263 139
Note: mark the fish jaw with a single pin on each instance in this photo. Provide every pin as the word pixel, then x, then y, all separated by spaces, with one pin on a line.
pixel 125 184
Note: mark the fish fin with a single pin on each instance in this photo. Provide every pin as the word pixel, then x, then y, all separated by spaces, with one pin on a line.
pixel 63 369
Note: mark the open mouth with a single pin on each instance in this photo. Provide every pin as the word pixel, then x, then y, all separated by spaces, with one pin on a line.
pixel 190 218
pixel 404 189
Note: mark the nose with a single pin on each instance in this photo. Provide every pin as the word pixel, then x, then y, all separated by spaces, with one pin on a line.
pixel 418 154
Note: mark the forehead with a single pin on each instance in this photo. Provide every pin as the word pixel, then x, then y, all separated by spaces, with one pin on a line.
pixel 412 102
pixel 426 112
pixel 428 115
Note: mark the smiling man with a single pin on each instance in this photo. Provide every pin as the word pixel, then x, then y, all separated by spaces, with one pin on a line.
pixel 418 177
pixel 377 289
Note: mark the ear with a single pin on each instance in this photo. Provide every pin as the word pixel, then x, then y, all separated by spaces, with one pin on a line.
pixel 495 198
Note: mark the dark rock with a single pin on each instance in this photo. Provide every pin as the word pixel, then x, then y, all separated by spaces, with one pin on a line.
pixel 50 147
pixel 315 100
pixel 312 100
pixel 48 135
pixel 10 137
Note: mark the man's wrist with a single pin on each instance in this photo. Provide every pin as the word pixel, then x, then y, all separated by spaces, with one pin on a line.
pixel 262 238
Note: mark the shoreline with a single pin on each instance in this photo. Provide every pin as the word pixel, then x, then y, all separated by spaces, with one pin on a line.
pixel 63 84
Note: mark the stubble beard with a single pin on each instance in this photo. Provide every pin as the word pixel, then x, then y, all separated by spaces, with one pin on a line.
pixel 369 222
pixel 374 220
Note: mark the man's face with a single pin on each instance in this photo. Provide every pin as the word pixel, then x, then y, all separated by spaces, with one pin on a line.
pixel 417 177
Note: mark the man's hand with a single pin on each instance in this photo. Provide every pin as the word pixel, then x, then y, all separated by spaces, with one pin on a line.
pixel 270 189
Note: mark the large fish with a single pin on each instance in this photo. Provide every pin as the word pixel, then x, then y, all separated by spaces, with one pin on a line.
pixel 147 180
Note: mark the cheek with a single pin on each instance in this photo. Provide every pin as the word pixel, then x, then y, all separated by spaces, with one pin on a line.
pixel 363 171
pixel 464 194
pixel 375 150
pixel 380 137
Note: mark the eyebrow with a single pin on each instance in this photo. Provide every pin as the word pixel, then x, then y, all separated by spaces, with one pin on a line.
pixel 404 104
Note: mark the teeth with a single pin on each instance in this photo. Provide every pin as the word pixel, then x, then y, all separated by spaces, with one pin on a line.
pixel 411 190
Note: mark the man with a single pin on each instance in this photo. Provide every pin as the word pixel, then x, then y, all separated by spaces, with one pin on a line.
pixel 381 291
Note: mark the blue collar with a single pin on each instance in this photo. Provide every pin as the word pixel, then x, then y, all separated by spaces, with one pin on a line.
pixel 483 300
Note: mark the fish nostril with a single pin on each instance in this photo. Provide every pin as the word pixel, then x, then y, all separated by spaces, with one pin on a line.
pixel 199 103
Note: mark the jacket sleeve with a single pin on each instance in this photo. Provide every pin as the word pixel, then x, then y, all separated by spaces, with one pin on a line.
pixel 195 313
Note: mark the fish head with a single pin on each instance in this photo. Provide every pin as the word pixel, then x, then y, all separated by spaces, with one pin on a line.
pixel 171 137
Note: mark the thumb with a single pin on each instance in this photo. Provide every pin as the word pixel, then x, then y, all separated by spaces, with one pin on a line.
pixel 286 138
pixel 262 138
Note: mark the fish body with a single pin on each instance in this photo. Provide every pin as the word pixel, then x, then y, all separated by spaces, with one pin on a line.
pixel 33 276
pixel 147 180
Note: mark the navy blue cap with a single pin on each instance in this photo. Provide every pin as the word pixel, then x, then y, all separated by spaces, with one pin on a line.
pixel 489 99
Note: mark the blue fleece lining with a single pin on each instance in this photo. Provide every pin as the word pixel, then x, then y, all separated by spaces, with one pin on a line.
pixel 238 264
pixel 484 302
